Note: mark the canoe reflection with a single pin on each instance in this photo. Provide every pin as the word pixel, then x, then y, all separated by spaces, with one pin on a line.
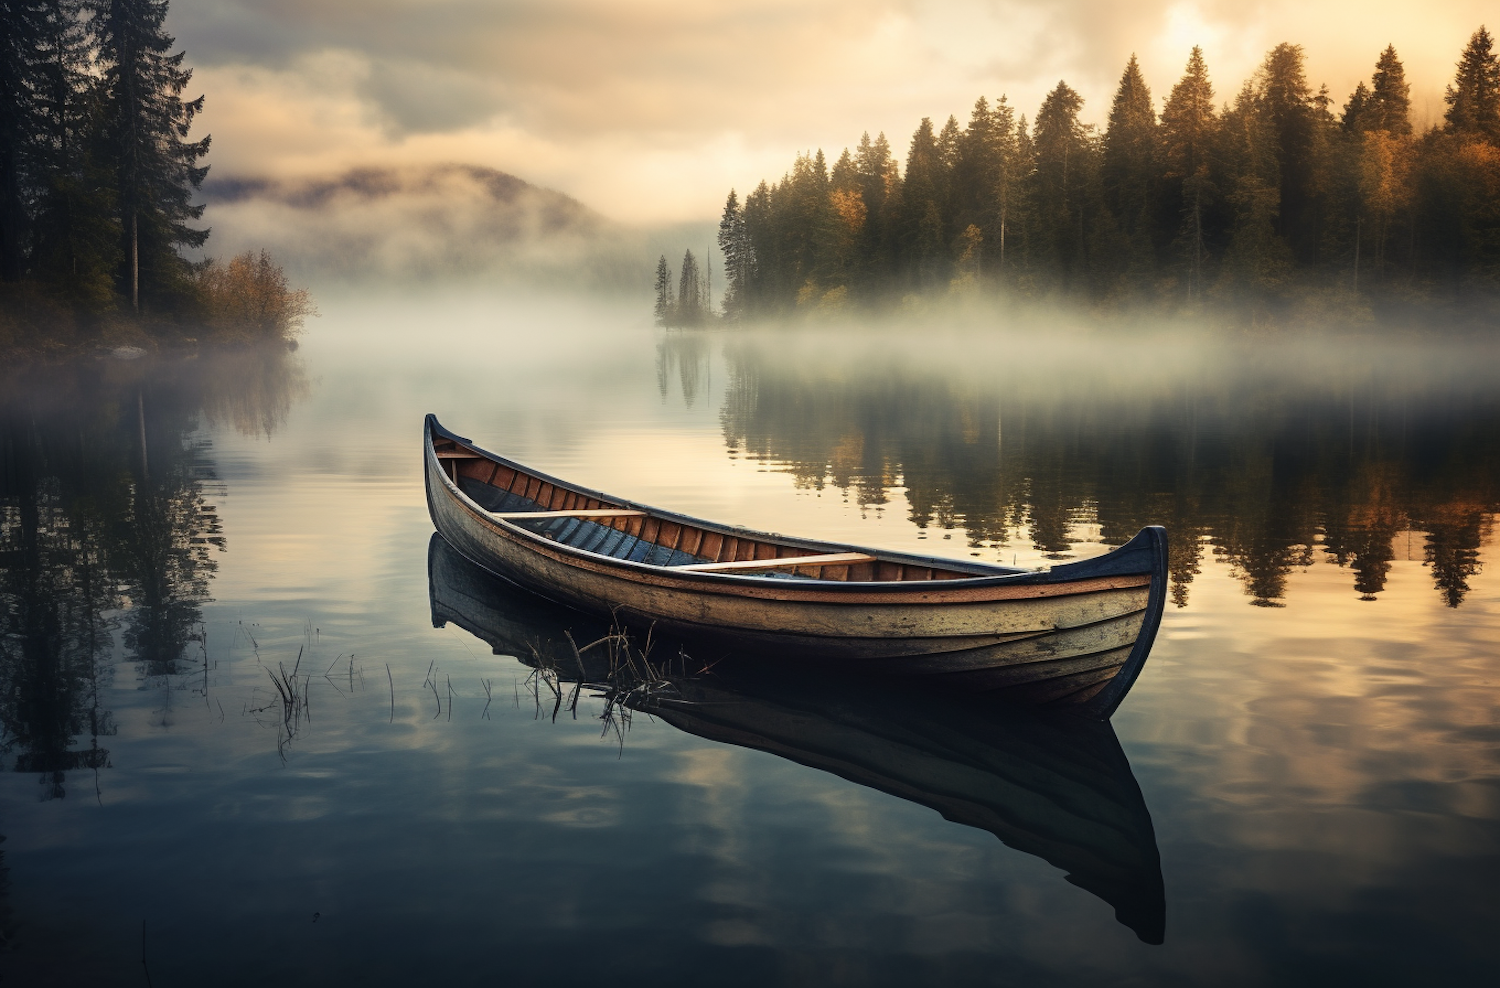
pixel 1056 786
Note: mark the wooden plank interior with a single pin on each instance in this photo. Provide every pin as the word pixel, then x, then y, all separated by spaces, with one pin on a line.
pixel 650 528
pixel 691 540
pixel 668 535
pixel 728 545
pixel 503 478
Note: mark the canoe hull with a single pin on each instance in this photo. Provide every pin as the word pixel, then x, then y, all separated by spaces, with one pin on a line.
pixel 1077 638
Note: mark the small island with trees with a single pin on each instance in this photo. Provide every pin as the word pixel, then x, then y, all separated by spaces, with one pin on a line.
pixel 1277 206
pixel 97 178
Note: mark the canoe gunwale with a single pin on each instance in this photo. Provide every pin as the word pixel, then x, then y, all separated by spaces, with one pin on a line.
pixel 986 575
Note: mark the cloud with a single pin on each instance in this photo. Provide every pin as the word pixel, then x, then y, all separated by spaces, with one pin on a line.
pixel 650 110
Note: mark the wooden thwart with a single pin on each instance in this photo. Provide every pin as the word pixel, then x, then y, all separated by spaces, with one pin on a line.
pixel 583 513
pixel 826 559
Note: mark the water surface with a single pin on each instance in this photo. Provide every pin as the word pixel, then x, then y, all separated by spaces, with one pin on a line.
pixel 1302 786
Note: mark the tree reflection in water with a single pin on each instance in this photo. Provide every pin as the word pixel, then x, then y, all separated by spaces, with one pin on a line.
pixel 1266 471
pixel 106 526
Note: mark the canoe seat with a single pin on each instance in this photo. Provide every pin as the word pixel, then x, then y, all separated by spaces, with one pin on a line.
pixel 786 562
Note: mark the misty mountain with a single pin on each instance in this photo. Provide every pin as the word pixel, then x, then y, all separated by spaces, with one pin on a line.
pixel 427 223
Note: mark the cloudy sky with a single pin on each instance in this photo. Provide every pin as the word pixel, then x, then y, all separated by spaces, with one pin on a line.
pixel 650 110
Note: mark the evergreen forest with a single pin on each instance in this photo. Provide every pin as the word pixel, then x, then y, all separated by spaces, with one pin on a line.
pixel 97 179
pixel 1276 203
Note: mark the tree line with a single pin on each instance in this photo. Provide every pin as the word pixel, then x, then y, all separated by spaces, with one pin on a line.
pixel 98 176
pixel 1272 202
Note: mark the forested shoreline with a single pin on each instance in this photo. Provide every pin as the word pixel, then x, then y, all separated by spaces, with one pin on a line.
pixel 97 181
pixel 1278 203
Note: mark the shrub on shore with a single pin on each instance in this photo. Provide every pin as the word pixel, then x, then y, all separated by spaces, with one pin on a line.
pixel 248 300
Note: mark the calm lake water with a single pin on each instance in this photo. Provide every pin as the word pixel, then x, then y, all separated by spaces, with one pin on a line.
pixel 1303 786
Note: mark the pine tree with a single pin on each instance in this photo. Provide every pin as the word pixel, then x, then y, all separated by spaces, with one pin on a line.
pixel 812 222
pixel 975 169
pixel 666 307
pixel 1474 98
pixel 1290 109
pixel 739 259
pixel 19 42
pixel 879 179
pixel 1063 166
pixel 1188 127
pixel 145 128
pixel 1129 165
pixel 1256 259
pixel 761 292
pixel 849 216
pixel 921 236
pixel 690 301
pixel 1371 180
pixel 76 234
pixel 948 147
pixel 1390 95
pixel 1013 165
pixel 1360 112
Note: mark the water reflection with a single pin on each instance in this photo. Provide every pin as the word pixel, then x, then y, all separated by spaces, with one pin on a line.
pixel 106 527
pixel 1266 469
pixel 1056 787
pixel 688 354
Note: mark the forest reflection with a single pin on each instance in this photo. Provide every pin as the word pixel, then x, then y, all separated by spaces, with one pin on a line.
pixel 108 534
pixel 1265 465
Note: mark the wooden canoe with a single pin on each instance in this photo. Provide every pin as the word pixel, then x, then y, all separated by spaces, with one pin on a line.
pixel 1046 784
pixel 1074 635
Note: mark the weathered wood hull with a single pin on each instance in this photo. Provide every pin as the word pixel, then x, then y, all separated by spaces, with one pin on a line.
pixel 1058 787
pixel 1076 635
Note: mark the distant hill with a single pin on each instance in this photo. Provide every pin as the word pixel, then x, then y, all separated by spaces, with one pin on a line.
pixel 426 223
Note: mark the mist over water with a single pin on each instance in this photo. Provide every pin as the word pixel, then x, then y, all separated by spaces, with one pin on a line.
pixel 1318 777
